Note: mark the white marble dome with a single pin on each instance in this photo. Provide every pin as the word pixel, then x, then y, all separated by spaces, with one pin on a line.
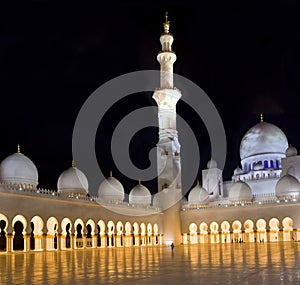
pixel 140 194
pixel 261 139
pixel 111 189
pixel 291 151
pixel 198 195
pixel 212 164
pixel 18 169
pixel 287 185
pixel 74 181
pixel 240 191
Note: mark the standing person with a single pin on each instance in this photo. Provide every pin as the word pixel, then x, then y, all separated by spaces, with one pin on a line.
pixel 172 245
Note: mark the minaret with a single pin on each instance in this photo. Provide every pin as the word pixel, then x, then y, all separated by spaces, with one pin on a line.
pixel 166 97
pixel 168 147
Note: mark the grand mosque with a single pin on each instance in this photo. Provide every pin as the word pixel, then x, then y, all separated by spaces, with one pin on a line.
pixel 259 204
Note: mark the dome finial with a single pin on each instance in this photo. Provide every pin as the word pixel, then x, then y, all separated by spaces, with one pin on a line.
pixel 261 117
pixel 73 163
pixel 139 181
pixel 110 173
pixel 18 149
pixel 166 24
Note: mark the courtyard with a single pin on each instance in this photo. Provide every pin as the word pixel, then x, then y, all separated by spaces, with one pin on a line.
pixel 240 263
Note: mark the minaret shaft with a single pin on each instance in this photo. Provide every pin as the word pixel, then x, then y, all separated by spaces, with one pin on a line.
pixel 166 97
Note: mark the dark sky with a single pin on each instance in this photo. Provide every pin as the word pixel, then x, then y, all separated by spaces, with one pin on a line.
pixel 244 55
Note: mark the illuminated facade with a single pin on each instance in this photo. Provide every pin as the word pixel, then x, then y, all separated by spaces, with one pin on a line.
pixel 260 203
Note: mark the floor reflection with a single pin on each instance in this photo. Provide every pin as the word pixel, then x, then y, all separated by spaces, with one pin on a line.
pixel 246 263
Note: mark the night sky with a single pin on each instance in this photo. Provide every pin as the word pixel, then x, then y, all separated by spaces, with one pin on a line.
pixel 244 55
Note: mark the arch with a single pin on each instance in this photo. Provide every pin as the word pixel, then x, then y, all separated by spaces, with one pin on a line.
pixel 149 229
pixel 274 224
pixel 4 218
pixel 38 225
pixel 52 226
pixel 214 227
pixel 128 228
pixel 21 219
pixel 214 232
pixel 3 231
pixel 119 237
pixel 18 241
pixel 237 231
pixel 77 223
pixel 274 229
pixel 136 228
pixel 102 226
pixel 248 225
pixel 193 233
pixel 110 233
pixel 261 230
pixel 203 228
pixel 119 228
pixel 261 224
pixel 237 226
pixel 287 223
pixel 110 228
pixel 143 234
pixel 155 229
pixel 66 227
pixel 225 236
pixel 92 224
pixel 193 228
pixel 64 223
pixel 225 227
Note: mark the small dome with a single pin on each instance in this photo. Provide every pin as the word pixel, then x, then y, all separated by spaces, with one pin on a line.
pixel 18 168
pixel 73 180
pixel 291 151
pixel 212 164
pixel 240 191
pixel 198 195
pixel 111 189
pixel 140 194
pixel 263 138
pixel 287 185
pixel 237 171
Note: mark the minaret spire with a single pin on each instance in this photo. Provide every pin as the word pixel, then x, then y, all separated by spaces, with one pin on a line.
pixel 261 117
pixel 166 98
pixel 166 24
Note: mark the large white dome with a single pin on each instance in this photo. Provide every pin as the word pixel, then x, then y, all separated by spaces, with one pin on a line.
pixel 140 195
pixel 111 189
pixel 18 168
pixel 287 185
pixel 74 181
pixel 263 138
pixel 240 191
pixel 198 195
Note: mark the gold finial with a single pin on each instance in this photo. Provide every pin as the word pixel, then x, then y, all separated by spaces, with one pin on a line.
pixel 73 163
pixel 166 24
pixel 19 149
pixel 110 173
pixel 139 181
pixel 261 117
pixel 198 182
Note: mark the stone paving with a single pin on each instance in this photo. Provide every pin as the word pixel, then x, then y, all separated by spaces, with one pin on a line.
pixel 246 263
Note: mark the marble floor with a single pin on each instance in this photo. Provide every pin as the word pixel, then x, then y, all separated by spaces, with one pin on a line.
pixel 246 263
